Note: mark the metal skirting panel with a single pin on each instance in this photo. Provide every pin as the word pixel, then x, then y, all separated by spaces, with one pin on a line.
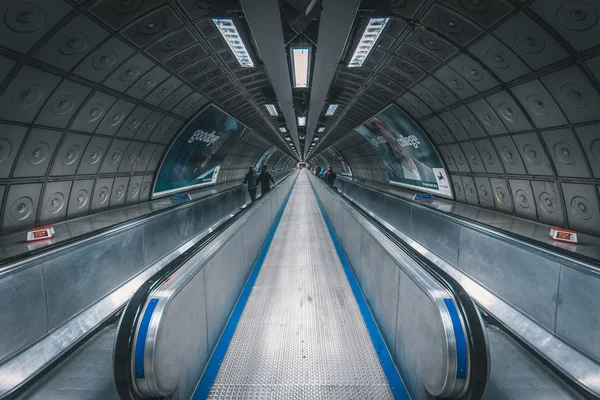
pixel 84 374
pixel 516 374
pixel 301 335
pixel 556 291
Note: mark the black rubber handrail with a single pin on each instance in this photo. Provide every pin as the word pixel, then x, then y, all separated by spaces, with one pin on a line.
pixel 493 321
pixel 577 259
pixel 99 232
pixel 115 316
pixel 114 227
pixel 475 330
pixel 23 388
pixel 91 333
pixel 123 354
pixel 490 319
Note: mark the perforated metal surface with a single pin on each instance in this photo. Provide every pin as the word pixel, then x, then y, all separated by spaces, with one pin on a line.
pixel 301 335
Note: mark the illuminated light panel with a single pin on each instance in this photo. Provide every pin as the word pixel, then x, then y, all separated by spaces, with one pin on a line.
pixel 315 139
pixel 321 129
pixel 367 41
pixel 282 129
pixel 288 139
pixel 231 35
pixel 272 110
pixel 331 110
pixel 301 121
pixel 300 65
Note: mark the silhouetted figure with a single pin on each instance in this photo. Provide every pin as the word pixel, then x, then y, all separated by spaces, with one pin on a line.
pixel 265 180
pixel 330 177
pixel 250 179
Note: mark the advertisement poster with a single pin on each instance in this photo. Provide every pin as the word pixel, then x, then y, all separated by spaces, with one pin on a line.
pixel 333 154
pixel 321 161
pixel 408 156
pixel 280 163
pixel 264 159
pixel 195 157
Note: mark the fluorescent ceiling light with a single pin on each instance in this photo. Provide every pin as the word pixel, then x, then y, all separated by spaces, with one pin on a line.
pixel 367 41
pixel 272 110
pixel 331 110
pixel 315 139
pixel 288 139
pixel 301 121
pixel 300 66
pixel 282 129
pixel 301 137
pixel 231 35
pixel 321 129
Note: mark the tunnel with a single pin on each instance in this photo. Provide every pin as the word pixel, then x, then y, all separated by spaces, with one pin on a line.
pixel 300 199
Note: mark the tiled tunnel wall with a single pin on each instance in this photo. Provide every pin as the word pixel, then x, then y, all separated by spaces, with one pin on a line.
pixel 91 93
pixel 361 156
pixel 245 154
pixel 509 93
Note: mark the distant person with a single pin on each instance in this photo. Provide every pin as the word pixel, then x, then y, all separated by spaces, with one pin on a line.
pixel 250 179
pixel 330 178
pixel 265 180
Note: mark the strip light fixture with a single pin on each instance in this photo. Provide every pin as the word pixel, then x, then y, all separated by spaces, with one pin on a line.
pixel 369 37
pixel 282 129
pixel 331 110
pixel 301 121
pixel 321 129
pixel 272 110
pixel 301 66
pixel 231 35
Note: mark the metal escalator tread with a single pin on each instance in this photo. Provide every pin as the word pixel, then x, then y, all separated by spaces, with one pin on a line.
pixel 301 334
pixel 84 374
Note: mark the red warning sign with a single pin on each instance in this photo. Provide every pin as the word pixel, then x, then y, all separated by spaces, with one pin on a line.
pixel 564 235
pixel 40 233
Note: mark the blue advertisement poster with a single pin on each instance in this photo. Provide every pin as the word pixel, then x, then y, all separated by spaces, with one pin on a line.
pixel 195 157
pixel 334 154
pixel 264 158
pixel 409 157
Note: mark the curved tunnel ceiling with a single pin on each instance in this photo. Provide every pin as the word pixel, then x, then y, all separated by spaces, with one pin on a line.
pixel 92 92
pixel 507 90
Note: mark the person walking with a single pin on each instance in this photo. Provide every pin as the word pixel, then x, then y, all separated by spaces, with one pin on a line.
pixel 265 180
pixel 250 179
pixel 330 177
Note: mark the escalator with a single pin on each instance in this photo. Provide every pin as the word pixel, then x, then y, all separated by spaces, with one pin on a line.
pixel 517 370
pixel 299 327
pixel 75 360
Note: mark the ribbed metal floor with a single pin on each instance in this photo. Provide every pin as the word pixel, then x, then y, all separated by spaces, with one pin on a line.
pixel 301 335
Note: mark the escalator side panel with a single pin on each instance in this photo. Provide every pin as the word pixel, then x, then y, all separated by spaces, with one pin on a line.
pixel 516 374
pixel 404 307
pixel 85 374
